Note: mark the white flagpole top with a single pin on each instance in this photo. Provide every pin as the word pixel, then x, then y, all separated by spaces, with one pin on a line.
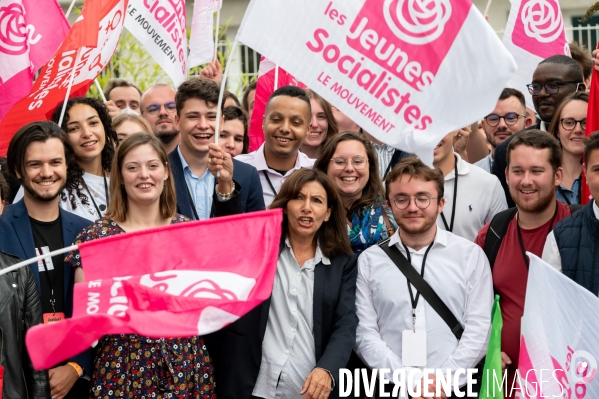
pixel 38 258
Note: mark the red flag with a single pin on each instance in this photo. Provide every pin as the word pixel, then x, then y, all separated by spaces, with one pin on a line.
pixel 264 88
pixel 30 32
pixel 174 281
pixel 49 90
pixel 592 127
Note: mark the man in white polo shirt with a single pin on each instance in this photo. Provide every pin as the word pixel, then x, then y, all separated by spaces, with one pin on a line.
pixel 286 125
pixel 472 196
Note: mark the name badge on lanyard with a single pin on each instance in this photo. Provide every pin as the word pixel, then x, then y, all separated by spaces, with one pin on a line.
pixel 413 348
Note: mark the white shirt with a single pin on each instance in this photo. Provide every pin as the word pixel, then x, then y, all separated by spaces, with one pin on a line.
pixel 551 250
pixel 486 163
pixel 97 191
pixel 458 271
pixel 288 346
pixel 257 160
pixel 480 197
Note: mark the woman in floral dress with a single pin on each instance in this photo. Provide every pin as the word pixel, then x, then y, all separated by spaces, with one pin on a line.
pixel 129 365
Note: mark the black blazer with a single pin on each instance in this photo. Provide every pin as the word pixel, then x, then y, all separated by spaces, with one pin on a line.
pixel 237 350
pixel 249 199
pixel 16 238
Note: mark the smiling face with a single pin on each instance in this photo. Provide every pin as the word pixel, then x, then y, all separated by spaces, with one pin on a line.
pixel 197 122
pixel 286 125
pixel 591 170
pixel 230 137
pixel 45 170
pixel 86 133
pixel 572 140
pixel 498 134
pixel 531 179
pixel 414 220
pixel 143 175
pixel 320 126
pixel 349 180
pixel 307 211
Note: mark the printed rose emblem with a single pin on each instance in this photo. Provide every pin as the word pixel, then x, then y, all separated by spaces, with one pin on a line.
pixel 417 21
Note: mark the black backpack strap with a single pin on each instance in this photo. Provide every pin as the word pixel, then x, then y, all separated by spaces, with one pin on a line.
pixel 423 287
pixel 496 232
pixel 575 207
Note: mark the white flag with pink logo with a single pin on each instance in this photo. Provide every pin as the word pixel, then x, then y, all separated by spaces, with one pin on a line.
pixel 201 42
pixel 559 343
pixel 407 71
pixel 534 31
pixel 30 32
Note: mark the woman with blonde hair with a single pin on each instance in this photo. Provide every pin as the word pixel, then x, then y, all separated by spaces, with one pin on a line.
pixel 127 124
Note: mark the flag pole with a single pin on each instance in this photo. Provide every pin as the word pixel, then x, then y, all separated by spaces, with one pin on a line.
pixel 38 258
pixel 66 98
pixel 276 85
pixel 487 8
pixel 70 9
pixel 100 89
pixel 222 90
pixel 217 26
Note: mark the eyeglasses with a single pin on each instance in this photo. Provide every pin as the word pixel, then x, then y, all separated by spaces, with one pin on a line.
pixel 550 88
pixel 570 123
pixel 510 119
pixel 153 109
pixel 403 201
pixel 358 163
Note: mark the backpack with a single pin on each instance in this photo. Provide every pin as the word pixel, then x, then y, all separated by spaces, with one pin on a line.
pixel 498 228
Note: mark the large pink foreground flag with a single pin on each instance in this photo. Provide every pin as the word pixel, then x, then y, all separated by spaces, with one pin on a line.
pixel 408 72
pixel 535 30
pixel 559 343
pixel 265 86
pixel 176 281
pixel 30 32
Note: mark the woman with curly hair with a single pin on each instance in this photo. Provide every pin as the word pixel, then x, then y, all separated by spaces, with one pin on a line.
pixel 89 127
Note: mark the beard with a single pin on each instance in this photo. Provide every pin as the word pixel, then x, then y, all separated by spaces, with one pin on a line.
pixel 428 223
pixel 167 137
pixel 42 197
pixel 537 206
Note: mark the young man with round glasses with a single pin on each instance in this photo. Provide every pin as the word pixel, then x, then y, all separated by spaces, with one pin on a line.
pixel 158 107
pixel 392 313
pixel 508 117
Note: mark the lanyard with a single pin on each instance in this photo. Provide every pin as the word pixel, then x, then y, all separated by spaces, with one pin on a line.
pixel 415 302
pixel 522 250
pixel 269 183
pixel 193 205
pixel 50 283
pixel 92 197
pixel 455 196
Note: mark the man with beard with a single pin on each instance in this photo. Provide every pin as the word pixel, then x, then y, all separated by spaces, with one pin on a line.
pixel 533 172
pixel 553 79
pixel 392 313
pixel 508 117
pixel 159 109
pixel 38 156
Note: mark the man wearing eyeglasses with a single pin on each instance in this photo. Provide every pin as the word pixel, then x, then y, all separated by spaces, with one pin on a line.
pixel 393 314
pixel 553 79
pixel 159 109
pixel 508 117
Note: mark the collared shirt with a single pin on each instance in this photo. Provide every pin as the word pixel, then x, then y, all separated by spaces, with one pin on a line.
pixel 480 197
pixel 569 195
pixel 458 271
pixel 201 189
pixel 551 250
pixel 269 176
pixel 486 163
pixel 288 347
pixel 384 154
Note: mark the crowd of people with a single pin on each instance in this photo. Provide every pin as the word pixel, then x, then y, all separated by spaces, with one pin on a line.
pixel 362 224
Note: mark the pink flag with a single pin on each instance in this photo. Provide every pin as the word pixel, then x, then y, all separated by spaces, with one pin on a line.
pixel 534 31
pixel 174 281
pixel 201 41
pixel 30 32
pixel 50 87
pixel 264 88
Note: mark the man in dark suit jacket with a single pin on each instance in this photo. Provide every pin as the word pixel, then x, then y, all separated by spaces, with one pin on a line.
pixel 553 79
pixel 38 156
pixel 238 357
pixel 197 188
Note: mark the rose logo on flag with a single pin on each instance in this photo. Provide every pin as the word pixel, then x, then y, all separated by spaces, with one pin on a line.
pixel 13 37
pixel 417 21
pixel 542 20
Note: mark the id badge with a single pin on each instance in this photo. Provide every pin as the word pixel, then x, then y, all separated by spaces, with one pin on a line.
pixel 50 318
pixel 413 348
